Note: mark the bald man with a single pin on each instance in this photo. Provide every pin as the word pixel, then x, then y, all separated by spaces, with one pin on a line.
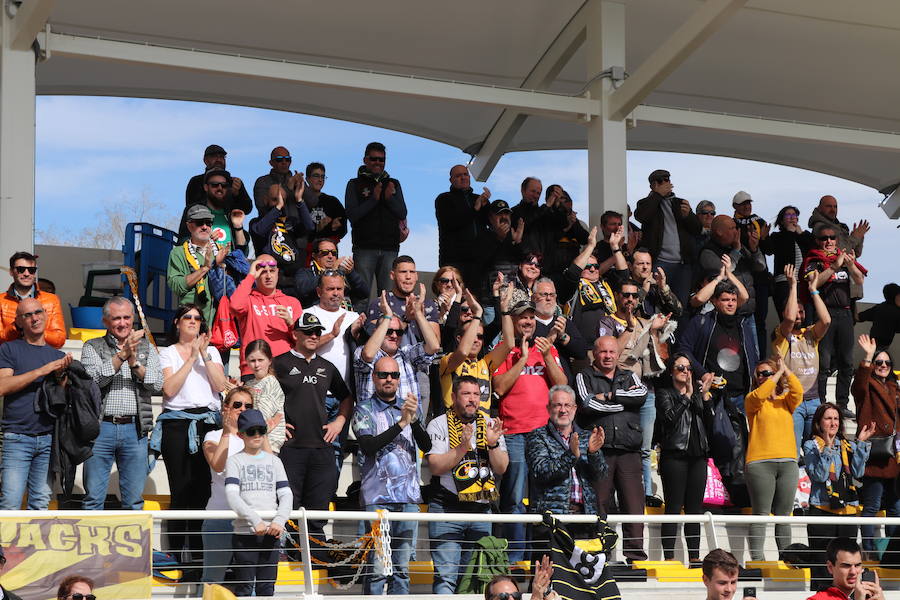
pixel 826 214
pixel 725 238
pixel 611 398
pixel 461 214
pixel 27 434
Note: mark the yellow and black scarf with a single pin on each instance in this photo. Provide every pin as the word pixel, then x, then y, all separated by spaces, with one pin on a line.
pixel 597 294
pixel 473 476
pixel 200 288
pixel 839 487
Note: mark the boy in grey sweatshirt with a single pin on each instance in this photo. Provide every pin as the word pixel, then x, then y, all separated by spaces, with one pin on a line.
pixel 255 481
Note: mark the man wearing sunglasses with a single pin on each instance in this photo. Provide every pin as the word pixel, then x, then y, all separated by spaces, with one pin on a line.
pixel 228 212
pixel 308 456
pixel 126 368
pixel 193 264
pixel 23 270
pixel 835 271
pixel 388 340
pixel 324 258
pixel 326 211
pixel 377 210
pixel 214 158
pixel 669 228
pixel 280 174
pixel 390 432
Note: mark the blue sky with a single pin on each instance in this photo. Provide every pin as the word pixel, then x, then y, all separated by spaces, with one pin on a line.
pixel 92 152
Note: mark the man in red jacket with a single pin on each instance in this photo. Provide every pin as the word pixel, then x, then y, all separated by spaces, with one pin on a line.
pixel 264 312
pixel 844 562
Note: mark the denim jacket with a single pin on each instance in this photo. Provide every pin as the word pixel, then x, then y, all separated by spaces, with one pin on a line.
pixel 818 467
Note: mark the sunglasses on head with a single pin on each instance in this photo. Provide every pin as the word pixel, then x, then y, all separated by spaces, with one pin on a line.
pixel 823 238
pixel 281 158
pixel 82 596
pixel 247 405
pixel 398 331
pixel 20 269
pixel 217 184
pixel 327 252
pixel 683 368
pixel 882 363
pixel 386 374
pixel 255 431
pixel 765 373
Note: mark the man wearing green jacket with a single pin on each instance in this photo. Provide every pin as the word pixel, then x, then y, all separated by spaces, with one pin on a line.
pixel 191 262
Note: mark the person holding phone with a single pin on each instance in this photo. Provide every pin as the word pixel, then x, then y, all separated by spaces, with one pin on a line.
pixel 720 576
pixel 848 578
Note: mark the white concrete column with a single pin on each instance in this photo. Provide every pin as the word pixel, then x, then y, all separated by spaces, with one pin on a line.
pixel 17 144
pixel 606 138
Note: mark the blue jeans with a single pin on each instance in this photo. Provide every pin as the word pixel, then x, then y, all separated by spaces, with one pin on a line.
pixel 451 547
pixel 513 487
pixel 648 418
pixel 217 536
pixel 803 421
pixel 25 466
pixel 368 262
pixel 122 444
pixel 401 547
pixel 875 494
pixel 738 401
pixel 331 411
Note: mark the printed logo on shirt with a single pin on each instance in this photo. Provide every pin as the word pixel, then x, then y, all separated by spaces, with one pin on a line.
pixel 533 370
pixel 294 371
pixel 258 478
pixel 268 310
pixel 320 371
pixel 310 379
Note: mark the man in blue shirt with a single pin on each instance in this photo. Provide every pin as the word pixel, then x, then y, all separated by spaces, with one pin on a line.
pixel 388 432
pixel 27 434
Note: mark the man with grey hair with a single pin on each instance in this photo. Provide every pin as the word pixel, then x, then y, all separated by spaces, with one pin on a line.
pixel 126 367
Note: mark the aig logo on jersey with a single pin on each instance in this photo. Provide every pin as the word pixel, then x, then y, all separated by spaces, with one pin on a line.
pixel 310 379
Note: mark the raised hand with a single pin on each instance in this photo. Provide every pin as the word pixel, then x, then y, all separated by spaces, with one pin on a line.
pixel 860 229
pixel 868 345
pixel 726 264
pixel 524 348
pixel 221 254
pixel 465 436
pixel 598 437
pixel 542 572
pixel 559 327
pixel 685 208
pixel 573 444
pixel 493 429
pixel 474 306
pixel 384 305
pixel 209 254
pixel 483 199
pixel 409 410
pixel 236 185
pixel 659 277
pixel 336 330
pixel 659 321
pixel 284 313
pixel 753 240
pixel 615 238
pixel 791 274
pixel 237 218
pixel 518 232
pixel 543 346
pixel 389 190
pixel 866 432
pixel 299 187
pixel 592 237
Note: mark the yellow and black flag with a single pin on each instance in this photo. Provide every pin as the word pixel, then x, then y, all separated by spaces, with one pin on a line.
pixel 579 570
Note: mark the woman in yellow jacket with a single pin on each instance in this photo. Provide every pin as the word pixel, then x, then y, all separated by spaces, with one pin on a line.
pixel 772 470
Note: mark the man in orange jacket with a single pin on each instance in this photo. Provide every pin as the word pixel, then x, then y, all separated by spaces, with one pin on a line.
pixel 23 270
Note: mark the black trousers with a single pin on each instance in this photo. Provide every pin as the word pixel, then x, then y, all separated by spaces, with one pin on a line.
pixel 836 352
pixel 313 475
pixel 684 482
pixel 254 565
pixel 626 479
pixel 189 480
pixel 819 535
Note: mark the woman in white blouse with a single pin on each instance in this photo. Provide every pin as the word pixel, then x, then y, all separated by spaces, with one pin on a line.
pixel 193 377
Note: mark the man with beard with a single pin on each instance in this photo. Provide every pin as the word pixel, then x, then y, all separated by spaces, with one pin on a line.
pixel 227 214
pixel 325 259
pixel 214 158
pixel 468 453
pixel 377 211
pixel 192 264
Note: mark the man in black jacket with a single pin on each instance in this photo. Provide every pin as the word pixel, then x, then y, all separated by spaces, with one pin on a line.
pixel 461 214
pixel 611 398
pixel 377 211
pixel 214 158
pixel 669 226
pixel 228 212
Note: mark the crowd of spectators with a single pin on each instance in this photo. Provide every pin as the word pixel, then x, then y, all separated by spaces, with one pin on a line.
pixel 550 362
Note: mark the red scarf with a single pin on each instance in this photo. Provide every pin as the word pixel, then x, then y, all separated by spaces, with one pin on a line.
pixel 826 259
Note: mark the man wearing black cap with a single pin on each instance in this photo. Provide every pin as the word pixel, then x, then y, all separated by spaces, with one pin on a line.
pixel 214 158
pixel 669 227
pixel 308 456
pixel 499 246
pixel 461 214
pixel 228 218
